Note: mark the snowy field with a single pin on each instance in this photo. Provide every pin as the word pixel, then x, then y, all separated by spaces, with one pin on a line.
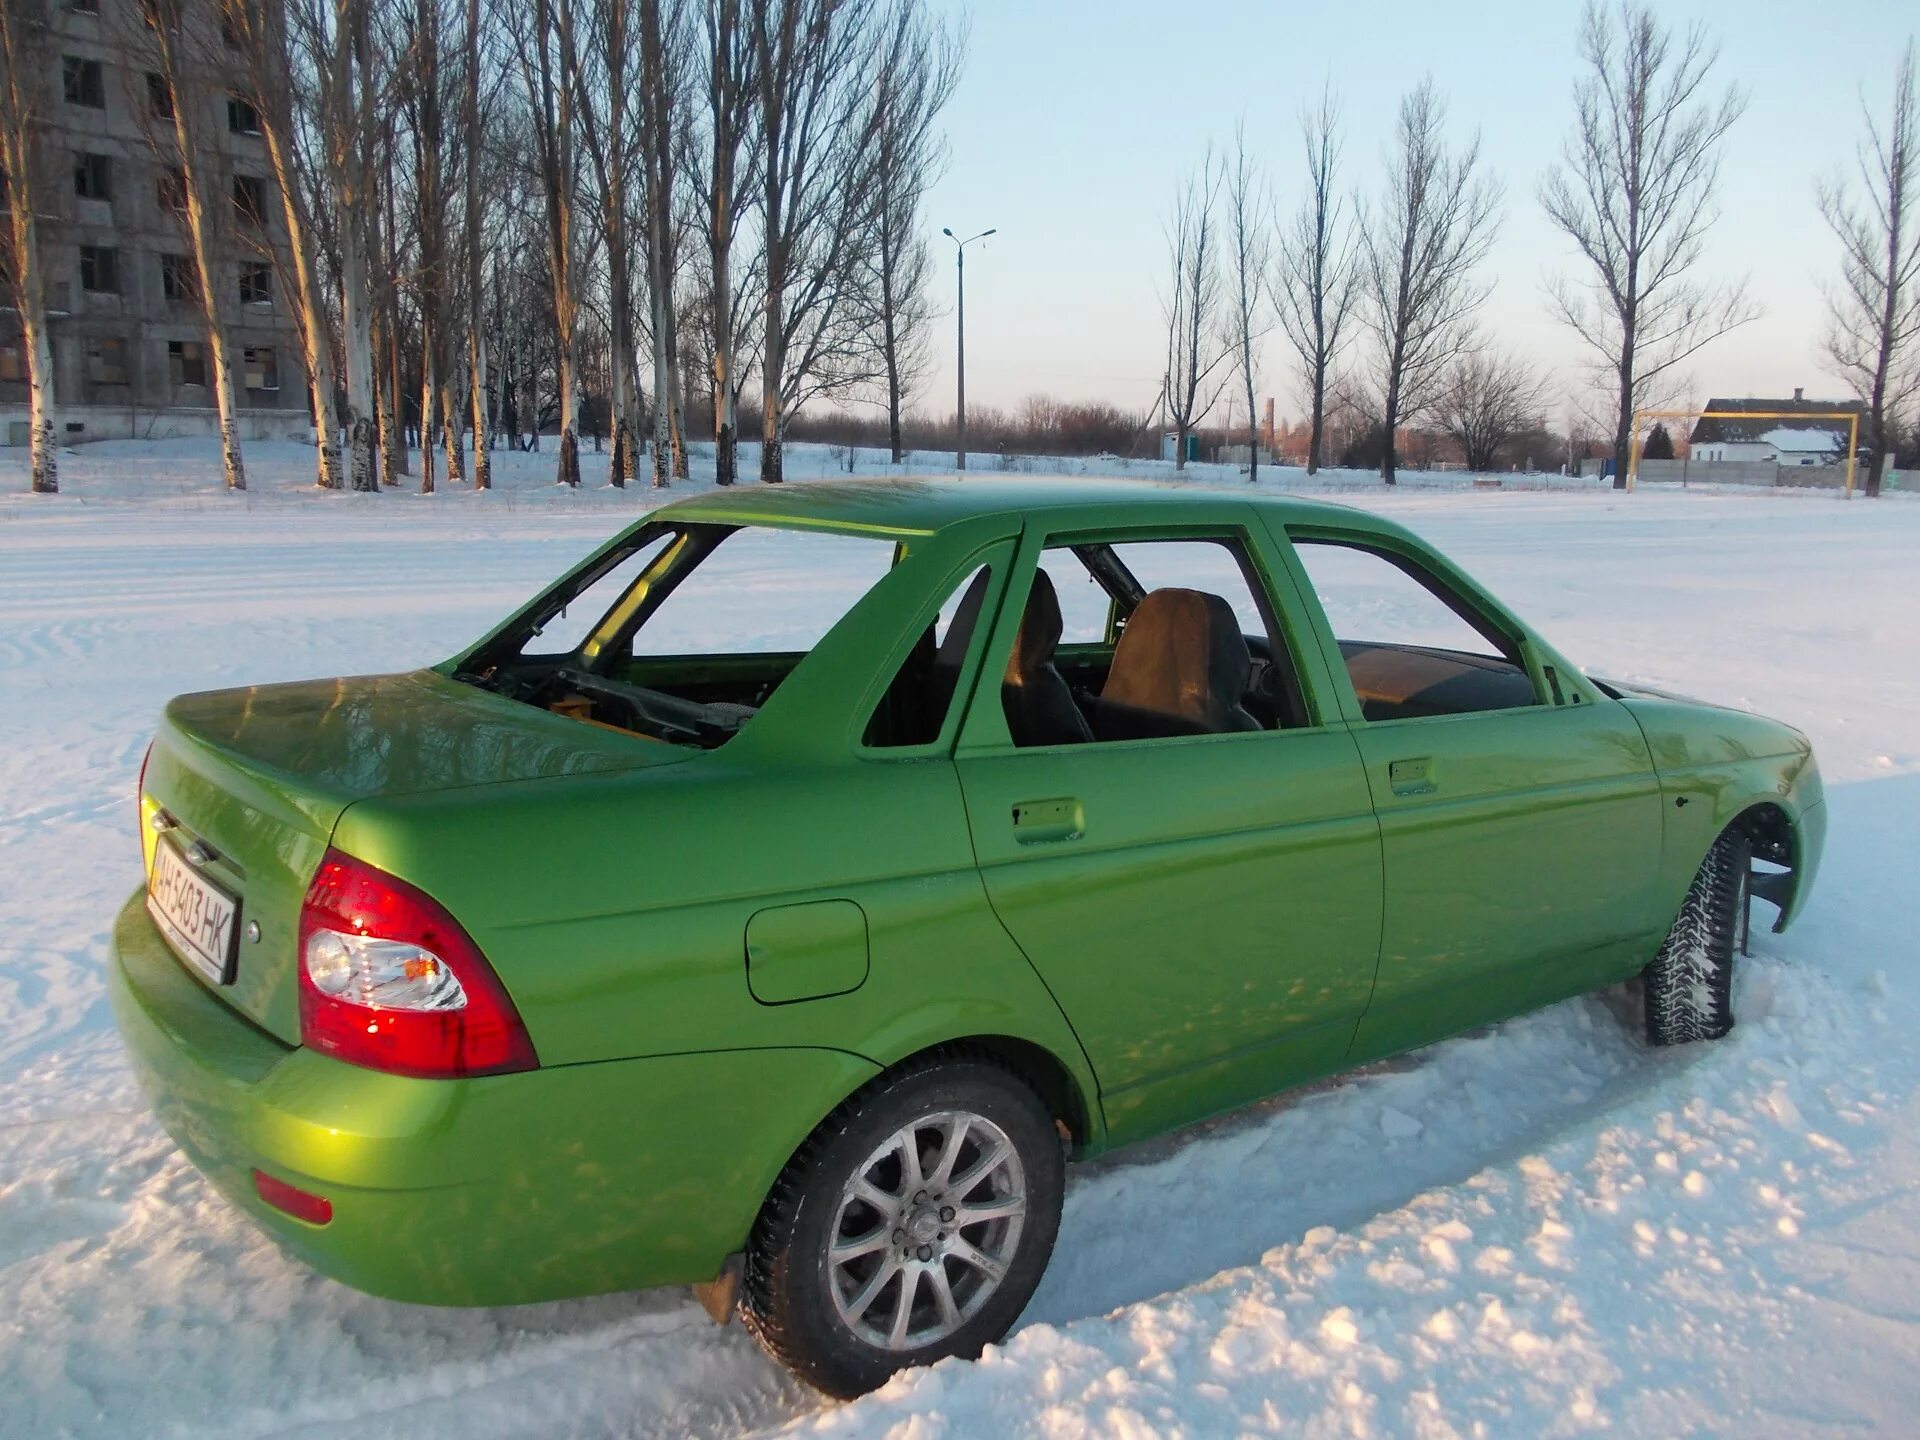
pixel 1539 1229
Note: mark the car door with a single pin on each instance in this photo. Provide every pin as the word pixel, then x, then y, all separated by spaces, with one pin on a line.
pixel 1519 811
pixel 1205 908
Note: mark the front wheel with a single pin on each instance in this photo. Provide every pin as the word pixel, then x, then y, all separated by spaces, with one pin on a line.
pixel 1689 985
pixel 913 1225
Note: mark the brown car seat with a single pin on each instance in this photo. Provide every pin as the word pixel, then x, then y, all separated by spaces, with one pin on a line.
pixel 1181 668
pixel 1039 705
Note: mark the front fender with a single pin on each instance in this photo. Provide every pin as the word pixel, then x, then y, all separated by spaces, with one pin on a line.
pixel 1718 767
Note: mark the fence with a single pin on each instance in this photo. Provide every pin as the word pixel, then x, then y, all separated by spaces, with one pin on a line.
pixel 1759 473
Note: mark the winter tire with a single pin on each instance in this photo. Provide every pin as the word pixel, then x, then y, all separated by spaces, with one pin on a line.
pixel 914 1224
pixel 1689 985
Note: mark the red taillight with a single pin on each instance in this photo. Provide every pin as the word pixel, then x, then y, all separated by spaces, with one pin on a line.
pixel 389 980
pixel 292 1200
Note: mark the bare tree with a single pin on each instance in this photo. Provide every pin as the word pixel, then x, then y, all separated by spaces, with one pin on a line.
pixel 1318 281
pixel 610 138
pixel 731 86
pixel 429 85
pixel 1635 193
pixel 1486 401
pixel 473 245
pixel 386 242
pixel 175 52
pixel 1197 354
pixel 261 34
pixel 920 66
pixel 544 43
pixel 26 70
pixel 815 122
pixel 331 37
pixel 1873 329
pixel 1421 248
pixel 661 52
pixel 1248 302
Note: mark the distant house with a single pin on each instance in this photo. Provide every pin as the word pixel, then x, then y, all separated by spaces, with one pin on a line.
pixel 1789 441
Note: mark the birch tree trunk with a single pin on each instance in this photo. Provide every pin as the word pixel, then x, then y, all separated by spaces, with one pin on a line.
pixel 262 34
pixel 481 418
pixel 608 145
pixel 164 21
pixel 676 407
pixel 657 151
pixel 429 392
pixel 730 93
pixel 553 96
pixel 393 412
pixel 450 436
pixel 22 70
pixel 333 33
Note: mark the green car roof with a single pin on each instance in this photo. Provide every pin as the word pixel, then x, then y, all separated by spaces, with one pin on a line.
pixel 923 506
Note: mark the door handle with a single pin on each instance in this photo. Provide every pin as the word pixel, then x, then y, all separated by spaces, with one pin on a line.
pixel 1038 821
pixel 1412 777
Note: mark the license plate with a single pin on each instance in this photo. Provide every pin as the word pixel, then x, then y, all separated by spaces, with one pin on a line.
pixel 199 919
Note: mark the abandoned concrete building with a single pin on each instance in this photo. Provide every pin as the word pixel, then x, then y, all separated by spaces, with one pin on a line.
pixel 127 328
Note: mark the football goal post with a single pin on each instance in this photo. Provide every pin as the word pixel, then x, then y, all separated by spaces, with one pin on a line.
pixel 1643 418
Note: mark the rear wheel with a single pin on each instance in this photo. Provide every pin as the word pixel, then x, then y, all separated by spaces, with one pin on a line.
pixel 913 1225
pixel 1689 985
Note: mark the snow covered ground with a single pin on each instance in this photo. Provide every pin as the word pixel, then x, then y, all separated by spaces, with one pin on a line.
pixel 1539 1229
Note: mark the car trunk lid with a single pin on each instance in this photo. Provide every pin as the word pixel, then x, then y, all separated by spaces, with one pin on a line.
pixel 247 785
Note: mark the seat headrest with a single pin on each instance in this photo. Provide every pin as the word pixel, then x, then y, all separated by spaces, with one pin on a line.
pixel 1182 654
pixel 966 615
pixel 1039 633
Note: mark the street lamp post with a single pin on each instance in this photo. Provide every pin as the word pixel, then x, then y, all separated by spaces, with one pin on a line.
pixel 960 326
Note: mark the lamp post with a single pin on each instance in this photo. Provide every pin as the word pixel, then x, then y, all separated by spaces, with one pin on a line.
pixel 960 326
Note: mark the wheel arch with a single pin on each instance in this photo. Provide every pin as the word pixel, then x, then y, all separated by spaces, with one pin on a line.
pixel 1777 839
pixel 1070 1098
pixel 1072 1105
pixel 1782 834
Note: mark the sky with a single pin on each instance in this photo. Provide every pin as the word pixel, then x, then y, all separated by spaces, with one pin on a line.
pixel 1074 123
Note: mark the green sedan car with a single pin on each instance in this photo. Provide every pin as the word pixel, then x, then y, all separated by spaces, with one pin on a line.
pixel 778 901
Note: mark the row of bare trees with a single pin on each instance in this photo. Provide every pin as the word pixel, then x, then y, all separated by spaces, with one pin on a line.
pixel 1403 268
pixel 1377 295
pixel 493 213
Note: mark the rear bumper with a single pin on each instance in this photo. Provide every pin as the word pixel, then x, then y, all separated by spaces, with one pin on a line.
pixel 554 1183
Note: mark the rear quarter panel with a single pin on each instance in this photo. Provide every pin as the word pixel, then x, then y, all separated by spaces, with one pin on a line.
pixel 616 908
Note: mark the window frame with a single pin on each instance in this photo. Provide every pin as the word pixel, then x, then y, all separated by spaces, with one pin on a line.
pixel 83 82
pixel 269 369
pixel 179 278
pixel 984 729
pixel 93 176
pixel 251 294
pixel 96 348
pixel 1451 588
pixel 997 558
pixel 177 360
pixel 90 259
pixel 243 116
pixel 249 197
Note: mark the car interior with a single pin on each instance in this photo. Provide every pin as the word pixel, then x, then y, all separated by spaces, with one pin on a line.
pixel 1168 661
pixel 1174 662
pixel 601 671
pixel 1434 655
